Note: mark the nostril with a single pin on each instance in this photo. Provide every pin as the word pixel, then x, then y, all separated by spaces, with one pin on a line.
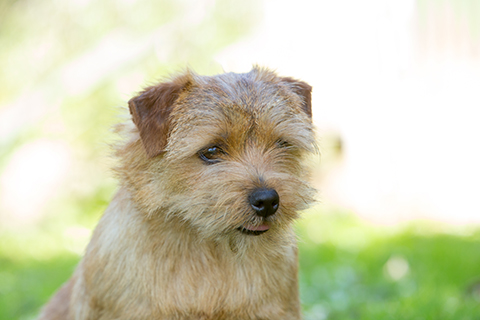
pixel 264 201
pixel 257 205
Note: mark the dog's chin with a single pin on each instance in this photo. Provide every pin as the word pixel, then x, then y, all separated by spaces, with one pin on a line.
pixel 252 230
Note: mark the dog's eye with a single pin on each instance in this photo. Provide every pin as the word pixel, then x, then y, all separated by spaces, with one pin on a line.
pixel 211 154
pixel 280 143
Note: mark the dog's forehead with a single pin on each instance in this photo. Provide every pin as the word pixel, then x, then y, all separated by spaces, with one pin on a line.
pixel 239 97
pixel 236 108
pixel 236 104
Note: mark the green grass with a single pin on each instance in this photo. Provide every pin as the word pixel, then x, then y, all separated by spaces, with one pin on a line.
pixel 26 285
pixel 349 270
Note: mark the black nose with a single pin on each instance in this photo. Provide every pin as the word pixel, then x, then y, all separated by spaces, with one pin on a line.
pixel 264 201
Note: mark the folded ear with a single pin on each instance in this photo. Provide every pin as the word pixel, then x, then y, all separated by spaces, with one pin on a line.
pixel 151 113
pixel 304 90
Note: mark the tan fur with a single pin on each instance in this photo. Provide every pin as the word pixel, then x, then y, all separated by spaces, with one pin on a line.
pixel 168 247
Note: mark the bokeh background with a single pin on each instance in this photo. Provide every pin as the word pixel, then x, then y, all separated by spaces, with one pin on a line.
pixel 395 234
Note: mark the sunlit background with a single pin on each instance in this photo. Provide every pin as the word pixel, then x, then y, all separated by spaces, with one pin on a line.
pixel 396 103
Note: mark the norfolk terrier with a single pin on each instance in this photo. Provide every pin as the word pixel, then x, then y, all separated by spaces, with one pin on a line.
pixel 212 178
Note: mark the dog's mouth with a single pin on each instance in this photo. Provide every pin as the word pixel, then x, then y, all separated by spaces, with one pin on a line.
pixel 253 230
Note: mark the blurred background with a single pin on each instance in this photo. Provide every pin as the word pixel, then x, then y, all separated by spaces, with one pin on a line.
pixel 396 232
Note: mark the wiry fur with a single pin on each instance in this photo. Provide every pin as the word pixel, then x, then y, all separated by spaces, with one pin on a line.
pixel 168 246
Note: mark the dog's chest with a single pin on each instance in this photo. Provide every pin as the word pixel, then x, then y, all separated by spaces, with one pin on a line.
pixel 211 285
pixel 162 273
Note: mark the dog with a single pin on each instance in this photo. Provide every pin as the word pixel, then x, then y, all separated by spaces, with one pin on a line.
pixel 212 176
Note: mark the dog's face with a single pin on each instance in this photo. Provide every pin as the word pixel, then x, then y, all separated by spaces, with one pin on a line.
pixel 224 153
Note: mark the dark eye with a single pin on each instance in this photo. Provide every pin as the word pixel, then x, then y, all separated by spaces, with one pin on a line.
pixel 280 143
pixel 211 155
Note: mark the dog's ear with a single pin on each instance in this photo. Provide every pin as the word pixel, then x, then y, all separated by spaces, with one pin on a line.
pixel 151 113
pixel 304 90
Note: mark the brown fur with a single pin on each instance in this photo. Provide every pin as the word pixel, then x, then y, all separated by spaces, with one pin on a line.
pixel 168 247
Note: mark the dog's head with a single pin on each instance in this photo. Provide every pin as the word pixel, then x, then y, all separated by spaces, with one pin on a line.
pixel 224 153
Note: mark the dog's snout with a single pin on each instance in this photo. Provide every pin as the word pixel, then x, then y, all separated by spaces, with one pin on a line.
pixel 264 201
